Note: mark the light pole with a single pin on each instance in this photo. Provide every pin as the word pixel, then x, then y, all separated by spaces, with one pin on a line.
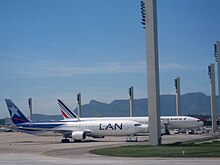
pixel 79 103
pixel 216 54
pixel 177 85
pixel 131 94
pixel 30 107
pixel 211 72
pixel 150 15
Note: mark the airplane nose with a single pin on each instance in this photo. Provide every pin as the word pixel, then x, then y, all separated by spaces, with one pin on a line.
pixel 201 123
pixel 145 128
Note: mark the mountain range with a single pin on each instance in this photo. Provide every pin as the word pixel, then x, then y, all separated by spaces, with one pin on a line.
pixel 191 103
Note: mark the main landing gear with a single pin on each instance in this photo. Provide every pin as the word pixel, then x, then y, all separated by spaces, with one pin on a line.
pixel 65 140
pixel 167 131
pixel 131 138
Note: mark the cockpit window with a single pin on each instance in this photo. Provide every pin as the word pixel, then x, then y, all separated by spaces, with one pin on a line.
pixel 137 125
pixel 198 120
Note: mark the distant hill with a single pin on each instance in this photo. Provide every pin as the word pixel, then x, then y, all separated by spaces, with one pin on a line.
pixel 191 103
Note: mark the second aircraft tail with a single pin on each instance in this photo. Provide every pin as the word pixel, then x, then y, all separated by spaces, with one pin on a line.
pixel 66 112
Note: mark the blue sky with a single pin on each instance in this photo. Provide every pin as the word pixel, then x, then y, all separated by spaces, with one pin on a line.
pixel 53 49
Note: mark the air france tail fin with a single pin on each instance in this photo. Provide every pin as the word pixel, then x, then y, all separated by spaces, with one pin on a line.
pixel 16 115
pixel 66 112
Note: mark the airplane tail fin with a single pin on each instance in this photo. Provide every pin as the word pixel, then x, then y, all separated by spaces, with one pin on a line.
pixel 66 112
pixel 16 115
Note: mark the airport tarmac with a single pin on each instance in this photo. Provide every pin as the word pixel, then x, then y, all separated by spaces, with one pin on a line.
pixel 21 149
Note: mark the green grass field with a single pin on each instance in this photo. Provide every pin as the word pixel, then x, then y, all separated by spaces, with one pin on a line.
pixel 172 150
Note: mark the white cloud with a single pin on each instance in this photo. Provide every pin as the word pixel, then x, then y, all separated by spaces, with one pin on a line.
pixel 171 66
pixel 44 70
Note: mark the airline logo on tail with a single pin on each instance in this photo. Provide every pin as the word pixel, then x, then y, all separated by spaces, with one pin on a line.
pixel 66 112
pixel 16 115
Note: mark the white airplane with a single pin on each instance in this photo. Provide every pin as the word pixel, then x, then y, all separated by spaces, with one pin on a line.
pixel 171 122
pixel 77 130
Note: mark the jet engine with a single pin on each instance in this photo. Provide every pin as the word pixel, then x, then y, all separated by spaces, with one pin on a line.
pixel 78 135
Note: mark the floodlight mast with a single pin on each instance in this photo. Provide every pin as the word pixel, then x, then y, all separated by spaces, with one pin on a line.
pixel 152 72
pixel 211 72
pixel 217 54
pixel 177 85
pixel 131 94
pixel 79 104
pixel 30 108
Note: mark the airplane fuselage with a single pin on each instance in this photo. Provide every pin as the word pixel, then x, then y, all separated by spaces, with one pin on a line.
pixel 90 127
pixel 173 122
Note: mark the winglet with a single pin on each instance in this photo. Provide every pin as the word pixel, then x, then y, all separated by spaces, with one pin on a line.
pixel 66 112
pixel 16 115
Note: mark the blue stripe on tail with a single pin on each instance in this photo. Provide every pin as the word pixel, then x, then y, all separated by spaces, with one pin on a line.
pixel 16 115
